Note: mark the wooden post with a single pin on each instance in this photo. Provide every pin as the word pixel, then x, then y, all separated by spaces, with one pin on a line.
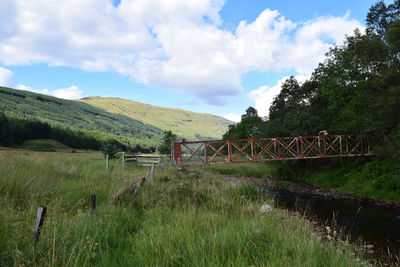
pixel 92 203
pixel 151 171
pixel 107 162
pixel 41 213
pixel 123 159
pixel 134 187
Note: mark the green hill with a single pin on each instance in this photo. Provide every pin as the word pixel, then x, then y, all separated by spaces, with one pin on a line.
pixel 184 123
pixel 77 115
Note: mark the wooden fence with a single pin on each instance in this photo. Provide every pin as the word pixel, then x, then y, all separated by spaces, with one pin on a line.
pixel 145 160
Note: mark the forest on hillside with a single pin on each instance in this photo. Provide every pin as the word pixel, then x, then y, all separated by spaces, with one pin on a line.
pixel 27 115
pixel 14 131
pixel 355 90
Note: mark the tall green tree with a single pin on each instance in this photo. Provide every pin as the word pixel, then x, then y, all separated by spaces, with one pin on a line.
pixel 289 113
pixel 165 147
pixel 382 17
pixel 250 125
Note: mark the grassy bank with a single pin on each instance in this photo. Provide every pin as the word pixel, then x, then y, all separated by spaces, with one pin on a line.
pixel 181 218
pixel 378 179
pixel 255 170
pixel 48 145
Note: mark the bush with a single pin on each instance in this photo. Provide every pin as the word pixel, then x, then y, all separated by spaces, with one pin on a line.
pixel 111 149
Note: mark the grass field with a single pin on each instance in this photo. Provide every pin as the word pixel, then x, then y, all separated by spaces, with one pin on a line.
pixel 187 217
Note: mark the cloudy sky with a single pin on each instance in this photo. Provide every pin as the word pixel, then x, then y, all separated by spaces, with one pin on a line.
pixel 210 56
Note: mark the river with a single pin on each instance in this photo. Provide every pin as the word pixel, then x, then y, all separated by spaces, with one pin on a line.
pixel 375 225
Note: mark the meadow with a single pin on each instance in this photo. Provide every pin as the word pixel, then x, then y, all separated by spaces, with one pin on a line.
pixel 182 217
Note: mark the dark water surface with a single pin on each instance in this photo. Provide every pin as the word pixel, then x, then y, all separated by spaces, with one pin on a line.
pixel 377 226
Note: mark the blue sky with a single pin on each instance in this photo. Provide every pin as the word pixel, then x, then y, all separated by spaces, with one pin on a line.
pixel 207 56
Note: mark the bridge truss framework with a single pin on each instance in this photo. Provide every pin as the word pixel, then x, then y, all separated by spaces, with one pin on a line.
pixel 268 149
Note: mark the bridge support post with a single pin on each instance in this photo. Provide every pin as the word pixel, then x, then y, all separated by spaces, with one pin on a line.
pixel 229 151
pixel 253 157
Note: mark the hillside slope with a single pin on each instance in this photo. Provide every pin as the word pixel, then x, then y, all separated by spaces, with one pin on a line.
pixel 184 123
pixel 77 115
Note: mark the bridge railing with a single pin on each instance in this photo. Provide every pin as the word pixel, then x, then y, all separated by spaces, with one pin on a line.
pixel 268 149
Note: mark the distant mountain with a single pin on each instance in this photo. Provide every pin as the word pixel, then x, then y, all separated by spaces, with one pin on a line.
pixel 77 115
pixel 184 123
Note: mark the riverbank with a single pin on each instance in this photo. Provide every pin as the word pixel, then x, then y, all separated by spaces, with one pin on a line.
pixel 374 228
pixel 369 179
pixel 180 218
pixel 304 188
pixel 370 182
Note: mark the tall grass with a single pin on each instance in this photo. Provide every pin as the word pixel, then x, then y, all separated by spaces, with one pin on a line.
pixel 180 218
pixel 255 170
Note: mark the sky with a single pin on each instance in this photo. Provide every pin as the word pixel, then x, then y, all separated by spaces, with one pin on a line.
pixel 209 56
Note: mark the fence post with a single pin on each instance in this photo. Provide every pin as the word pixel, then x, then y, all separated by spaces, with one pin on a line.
pixel 123 159
pixel 92 204
pixel 107 162
pixel 151 171
pixel 41 213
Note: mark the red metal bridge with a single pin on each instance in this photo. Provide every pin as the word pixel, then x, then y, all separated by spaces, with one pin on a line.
pixel 268 149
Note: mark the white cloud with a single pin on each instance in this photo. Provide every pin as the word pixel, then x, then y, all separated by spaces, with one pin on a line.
pixel 27 88
pixel 232 117
pixel 264 95
pixel 312 40
pixel 5 77
pixel 174 44
pixel 72 92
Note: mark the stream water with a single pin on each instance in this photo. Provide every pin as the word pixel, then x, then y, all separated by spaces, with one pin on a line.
pixel 375 225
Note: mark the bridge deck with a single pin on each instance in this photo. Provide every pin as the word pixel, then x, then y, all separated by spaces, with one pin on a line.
pixel 268 149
